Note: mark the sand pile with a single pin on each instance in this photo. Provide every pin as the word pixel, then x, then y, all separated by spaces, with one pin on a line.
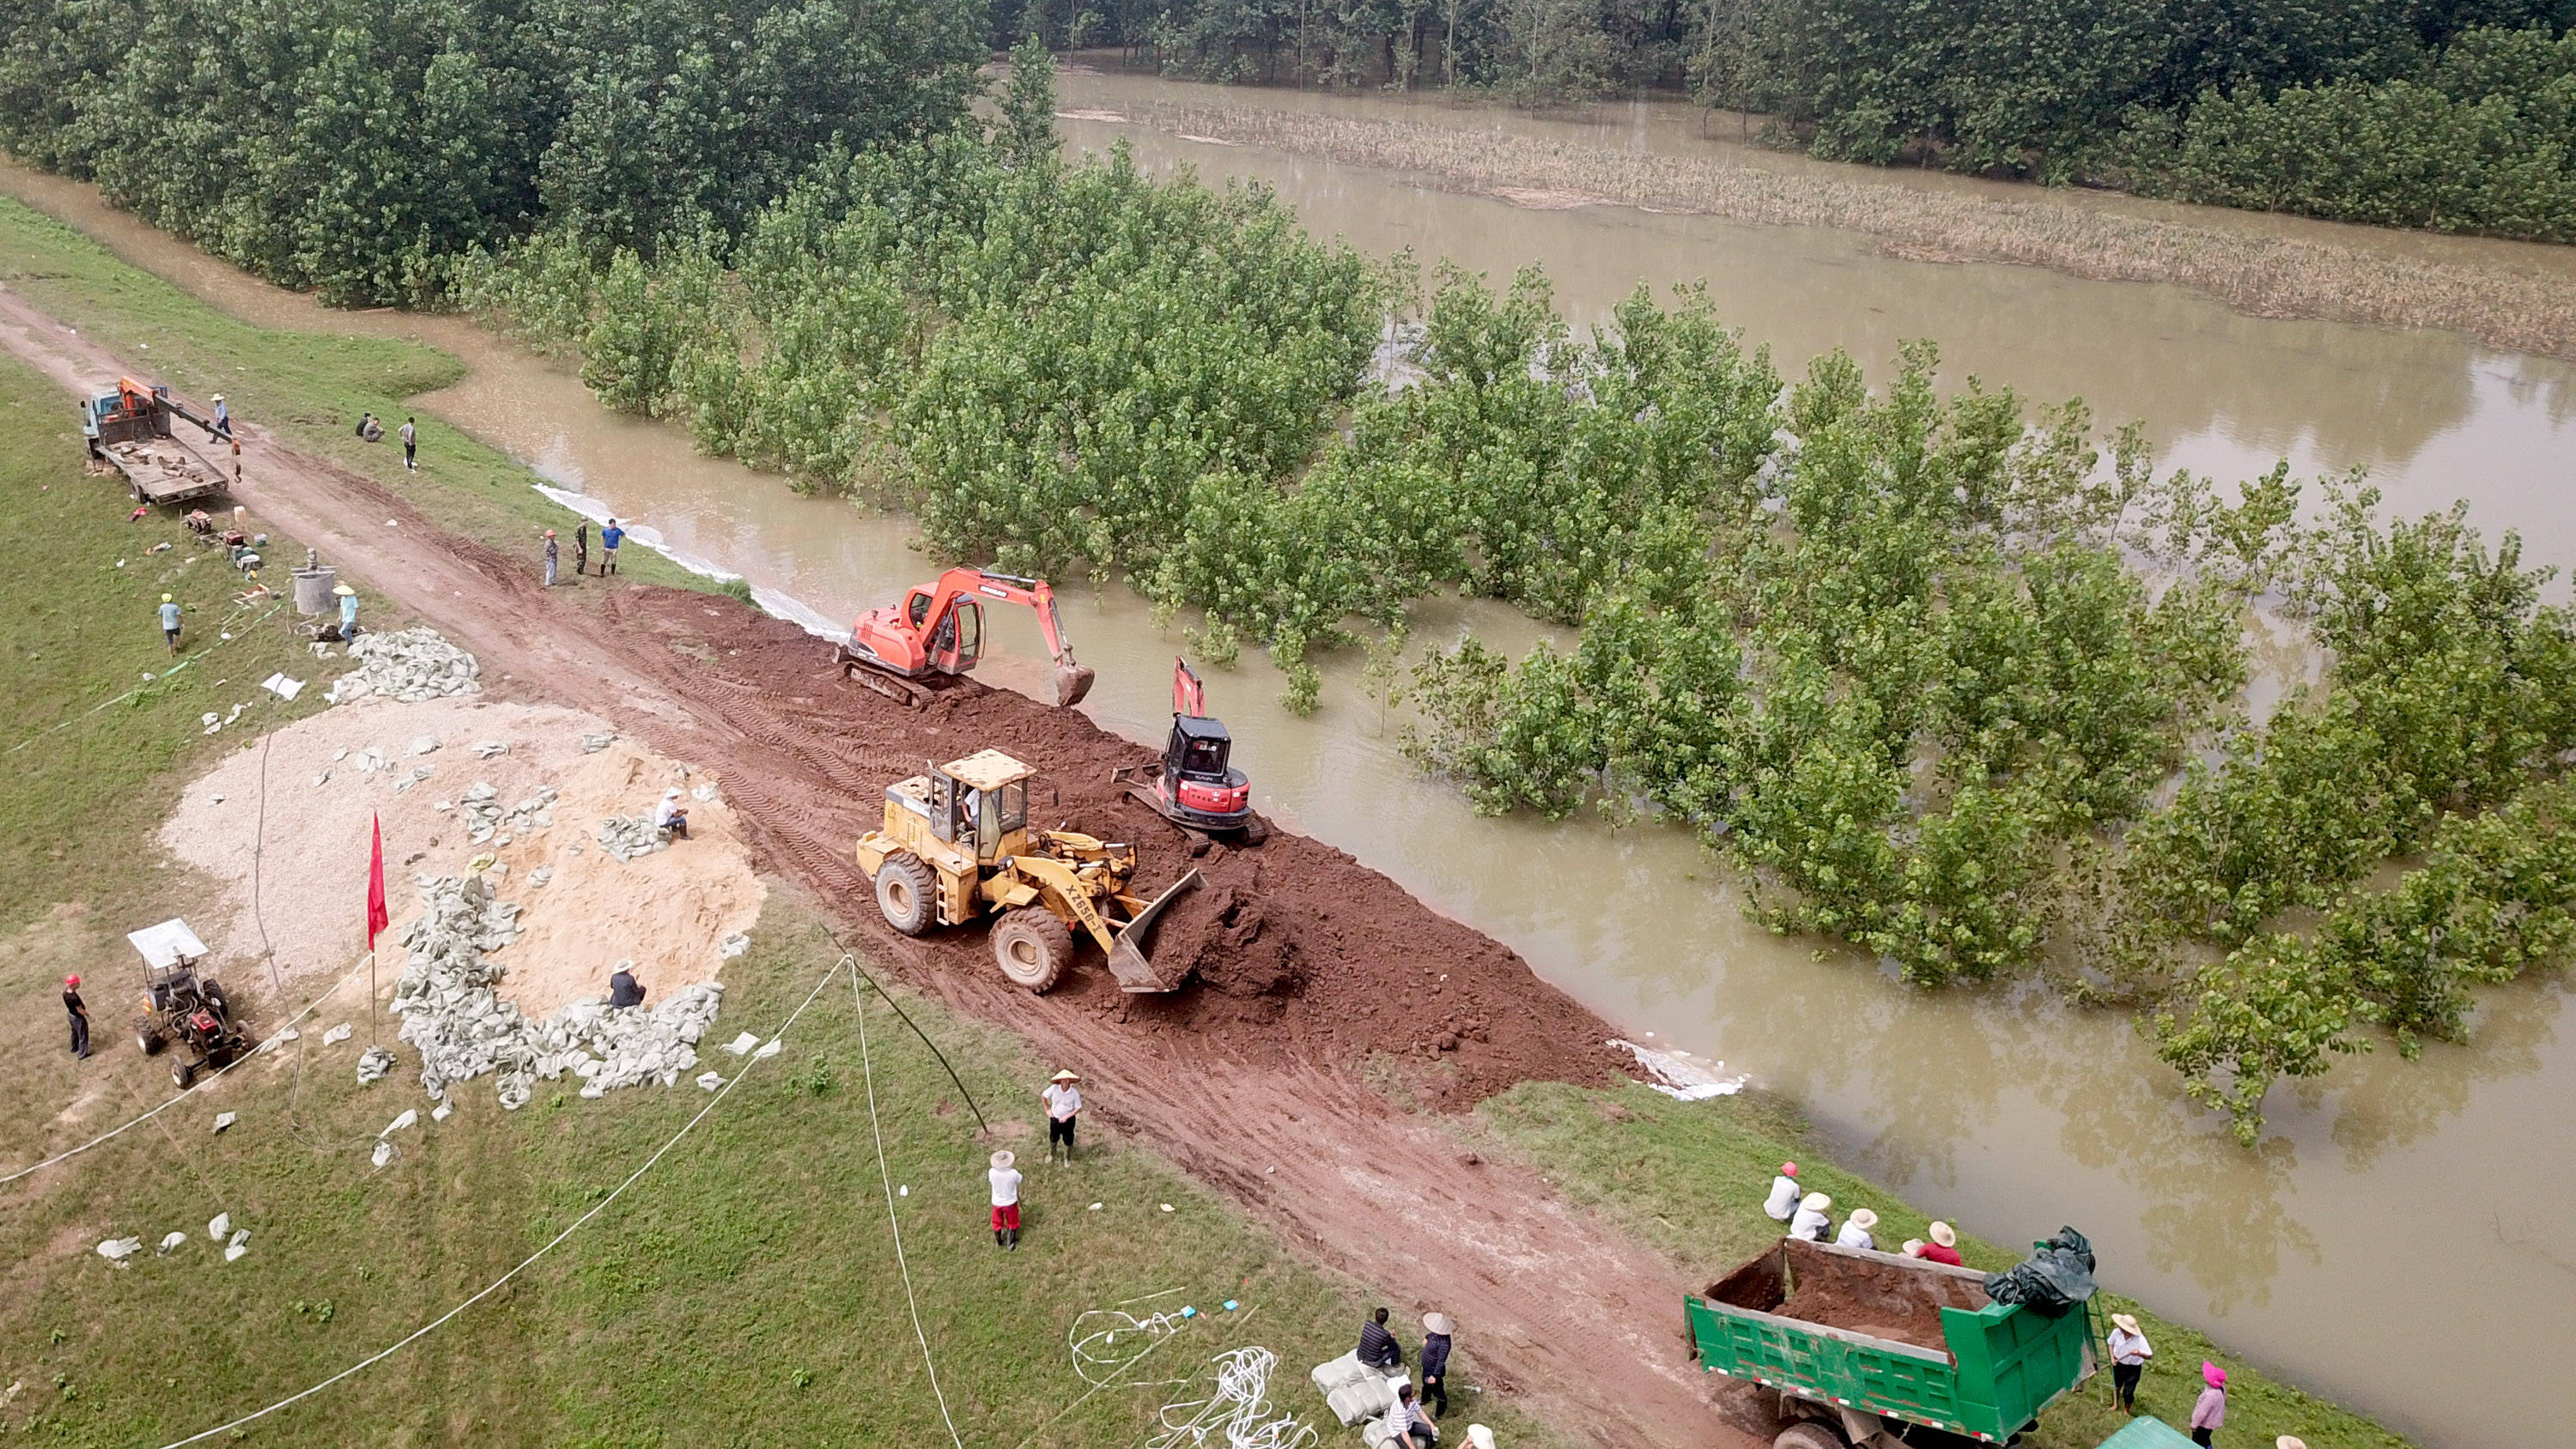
pixel 489 767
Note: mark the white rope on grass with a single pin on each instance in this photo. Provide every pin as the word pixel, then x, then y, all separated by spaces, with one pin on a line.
pixel 858 998
pixel 315 1005
pixel 1238 1412
pixel 138 689
pixel 551 1244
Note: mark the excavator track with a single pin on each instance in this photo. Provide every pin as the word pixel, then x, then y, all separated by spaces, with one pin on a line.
pixel 893 686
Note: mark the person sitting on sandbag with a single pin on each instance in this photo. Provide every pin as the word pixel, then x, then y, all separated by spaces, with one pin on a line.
pixel 670 817
pixel 623 991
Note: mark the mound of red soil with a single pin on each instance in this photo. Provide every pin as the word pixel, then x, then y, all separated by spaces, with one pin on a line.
pixel 1293 948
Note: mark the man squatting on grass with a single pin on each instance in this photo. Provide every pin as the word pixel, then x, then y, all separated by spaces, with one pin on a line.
pixel 1063 1098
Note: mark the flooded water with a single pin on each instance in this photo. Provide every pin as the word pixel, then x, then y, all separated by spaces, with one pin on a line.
pixel 2404 1240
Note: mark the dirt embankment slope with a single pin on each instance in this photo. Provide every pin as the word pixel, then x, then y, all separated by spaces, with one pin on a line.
pixel 1312 965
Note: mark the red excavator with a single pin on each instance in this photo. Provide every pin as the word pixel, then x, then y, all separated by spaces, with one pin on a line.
pixel 938 630
pixel 1197 787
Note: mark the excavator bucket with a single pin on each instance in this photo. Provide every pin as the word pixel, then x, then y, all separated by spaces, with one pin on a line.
pixel 1072 682
pixel 1127 960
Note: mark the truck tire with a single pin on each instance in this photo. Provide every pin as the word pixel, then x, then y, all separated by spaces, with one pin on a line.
pixel 1810 1434
pixel 1032 947
pixel 905 893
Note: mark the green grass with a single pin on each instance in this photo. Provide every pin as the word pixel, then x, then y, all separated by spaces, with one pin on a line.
pixel 1689 1177
pixel 77 630
pixel 310 387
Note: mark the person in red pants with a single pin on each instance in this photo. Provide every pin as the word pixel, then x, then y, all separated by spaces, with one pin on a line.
pixel 1006 1201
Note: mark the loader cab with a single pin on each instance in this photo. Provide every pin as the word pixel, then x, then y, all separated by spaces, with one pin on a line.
pixel 977 806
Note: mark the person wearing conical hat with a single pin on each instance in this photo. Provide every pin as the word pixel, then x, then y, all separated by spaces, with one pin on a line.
pixel 1944 1247
pixel 2129 1352
pixel 348 610
pixel 1784 1194
pixel 1810 1222
pixel 1006 1200
pixel 1856 1234
pixel 1063 1098
pixel 1480 1437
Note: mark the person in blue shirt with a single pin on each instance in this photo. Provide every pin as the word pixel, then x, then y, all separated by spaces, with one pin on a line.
pixel 609 538
pixel 348 610
pixel 170 623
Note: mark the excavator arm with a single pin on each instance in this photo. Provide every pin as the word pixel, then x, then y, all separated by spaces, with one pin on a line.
pixel 1072 680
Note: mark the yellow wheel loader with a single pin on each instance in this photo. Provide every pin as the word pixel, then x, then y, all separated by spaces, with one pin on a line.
pixel 956 846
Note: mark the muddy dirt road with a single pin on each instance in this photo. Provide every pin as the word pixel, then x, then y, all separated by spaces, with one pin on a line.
pixel 1310 964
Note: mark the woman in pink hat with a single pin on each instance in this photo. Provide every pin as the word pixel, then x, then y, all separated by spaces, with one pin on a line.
pixel 2209 1415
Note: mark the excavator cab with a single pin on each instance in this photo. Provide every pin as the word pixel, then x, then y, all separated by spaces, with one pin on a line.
pixel 937 629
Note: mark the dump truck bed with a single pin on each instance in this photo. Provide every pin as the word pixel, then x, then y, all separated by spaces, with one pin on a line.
pixel 161 470
pixel 1894 1336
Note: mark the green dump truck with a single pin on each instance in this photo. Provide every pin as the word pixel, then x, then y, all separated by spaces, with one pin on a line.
pixel 1860 1350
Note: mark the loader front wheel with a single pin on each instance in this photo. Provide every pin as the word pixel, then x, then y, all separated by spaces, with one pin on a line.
pixel 1032 947
pixel 904 887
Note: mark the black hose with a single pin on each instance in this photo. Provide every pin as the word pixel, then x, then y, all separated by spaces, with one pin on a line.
pixel 916 1029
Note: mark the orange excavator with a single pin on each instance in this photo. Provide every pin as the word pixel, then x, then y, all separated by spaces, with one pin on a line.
pixel 937 631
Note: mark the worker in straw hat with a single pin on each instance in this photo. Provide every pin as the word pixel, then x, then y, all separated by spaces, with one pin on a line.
pixel 1480 1437
pixel 2289 1441
pixel 348 610
pixel 1063 1098
pixel 1784 1194
pixel 2129 1352
pixel 670 816
pixel 1006 1200
pixel 1856 1234
pixel 1810 1222
pixel 1944 1247
pixel 1436 1332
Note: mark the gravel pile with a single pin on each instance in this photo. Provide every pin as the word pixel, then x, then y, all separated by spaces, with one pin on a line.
pixel 463 1028
pixel 409 665
pixel 628 836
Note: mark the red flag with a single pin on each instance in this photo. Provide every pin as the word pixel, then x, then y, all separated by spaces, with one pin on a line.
pixel 377 916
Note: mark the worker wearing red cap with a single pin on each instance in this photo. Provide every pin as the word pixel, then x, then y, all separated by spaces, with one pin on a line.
pixel 79 1015
pixel 1785 1193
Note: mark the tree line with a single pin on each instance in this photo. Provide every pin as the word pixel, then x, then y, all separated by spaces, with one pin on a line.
pixel 2450 115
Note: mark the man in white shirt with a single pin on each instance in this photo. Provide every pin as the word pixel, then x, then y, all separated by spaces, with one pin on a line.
pixel 1810 1221
pixel 1006 1201
pixel 1856 1234
pixel 1784 1194
pixel 2129 1354
pixel 1063 1098
pixel 671 817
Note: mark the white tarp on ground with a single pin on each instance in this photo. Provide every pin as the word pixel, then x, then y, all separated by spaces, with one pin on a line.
pixel 164 944
pixel 1677 1075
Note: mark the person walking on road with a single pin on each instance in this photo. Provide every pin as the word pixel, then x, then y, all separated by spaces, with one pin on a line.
pixel 1378 1348
pixel 1063 1098
pixel 80 1017
pixel 581 548
pixel 1856 1231
pixel 170 623
pixel 1437 1331
pixel 410 431
pixel 550 558
pixel 2209 1412
pixel 1784 1194
pixel 609 538
pixel 1006 1201
pixel 2129 1354
pixel 1811 1220
pixel 1944 1247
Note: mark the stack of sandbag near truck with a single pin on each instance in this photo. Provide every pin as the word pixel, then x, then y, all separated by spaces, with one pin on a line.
pixel 1359 1395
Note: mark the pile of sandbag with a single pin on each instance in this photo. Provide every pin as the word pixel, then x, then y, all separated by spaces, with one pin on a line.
pixel 409 665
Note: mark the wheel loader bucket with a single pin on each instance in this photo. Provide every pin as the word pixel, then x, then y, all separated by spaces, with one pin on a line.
pixel 1072 682
pixel 1127 961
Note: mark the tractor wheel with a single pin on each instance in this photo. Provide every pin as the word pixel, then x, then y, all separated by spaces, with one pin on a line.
pixel 145 1037
pixel 216 1001
pixel 182 1073
pixel 905 893
pixel 1810 1434
pixel 1032 947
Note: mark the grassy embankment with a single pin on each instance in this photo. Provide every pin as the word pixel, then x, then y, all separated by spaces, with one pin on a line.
pixel 2251 268
pixel 1688 1178
pixel 744 1292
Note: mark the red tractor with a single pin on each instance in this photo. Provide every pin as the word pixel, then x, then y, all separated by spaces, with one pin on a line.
pixel 1198 788
pixel 938 631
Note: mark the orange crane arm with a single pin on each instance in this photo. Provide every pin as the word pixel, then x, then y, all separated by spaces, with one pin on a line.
pixel 1072 679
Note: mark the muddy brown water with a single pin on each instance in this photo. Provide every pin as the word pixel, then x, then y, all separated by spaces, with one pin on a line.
pixel 2403 1241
